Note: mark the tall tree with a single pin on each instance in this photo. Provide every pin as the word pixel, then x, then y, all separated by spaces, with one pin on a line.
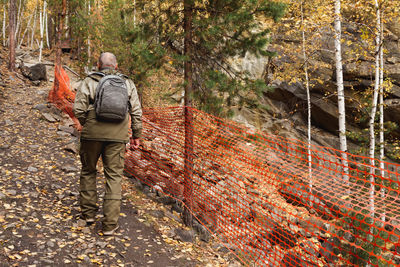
pixel 381 103
pixel 307 82
pixel 34 25
pixel 340 89
pixel 46 27
pixel 374 105
pixel 18 19
pixel 381 118
pixel 188 53
pixel 26 31
pixel 12 20
pixel 4 22
pixel 42 17
pixel 89 55
pixel 222 30
pixel 60 29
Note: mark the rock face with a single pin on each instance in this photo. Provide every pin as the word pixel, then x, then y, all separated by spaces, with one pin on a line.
pixel 288 101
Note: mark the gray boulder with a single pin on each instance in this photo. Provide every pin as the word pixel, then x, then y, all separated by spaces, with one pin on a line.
pixel 34 73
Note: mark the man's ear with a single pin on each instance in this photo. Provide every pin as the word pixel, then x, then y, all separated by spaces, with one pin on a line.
pixel 116 66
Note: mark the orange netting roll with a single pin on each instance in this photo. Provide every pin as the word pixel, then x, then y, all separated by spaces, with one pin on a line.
pixel 61 94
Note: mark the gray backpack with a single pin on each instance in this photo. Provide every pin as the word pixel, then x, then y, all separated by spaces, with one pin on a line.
pixel 111 102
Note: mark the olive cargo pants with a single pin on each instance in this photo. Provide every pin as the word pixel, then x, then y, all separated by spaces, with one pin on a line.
pixel 112 154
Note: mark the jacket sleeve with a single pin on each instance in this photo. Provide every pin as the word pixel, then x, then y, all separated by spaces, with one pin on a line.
pixel 136 112
pixel 81 103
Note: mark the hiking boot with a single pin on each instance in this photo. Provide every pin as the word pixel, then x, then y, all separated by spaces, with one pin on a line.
pixel 110 232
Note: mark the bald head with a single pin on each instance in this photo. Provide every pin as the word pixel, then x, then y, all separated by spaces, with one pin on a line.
pixel 107 60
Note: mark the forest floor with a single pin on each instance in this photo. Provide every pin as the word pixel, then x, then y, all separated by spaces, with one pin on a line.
pixel 39 209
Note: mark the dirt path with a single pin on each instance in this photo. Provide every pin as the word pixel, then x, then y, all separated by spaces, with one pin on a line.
pixel 39 210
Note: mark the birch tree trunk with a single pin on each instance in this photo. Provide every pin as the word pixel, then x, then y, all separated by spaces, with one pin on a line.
pixel 381 118
pixel 33 28
pixel 12 20
pixel 41 33
pixel 4 23
pixel 89 51
pixel 66 23
pixel 340 89
pixel 308 99
pixel 26 31
pixel 373 110
pixel 18 22
pixel 41 23
pixel 46 23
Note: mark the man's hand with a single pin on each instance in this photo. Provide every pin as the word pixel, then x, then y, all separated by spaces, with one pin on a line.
pixel 135 143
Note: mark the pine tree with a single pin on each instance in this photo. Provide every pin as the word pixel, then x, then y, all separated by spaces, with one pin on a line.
pixel 188 69
pixel 221 31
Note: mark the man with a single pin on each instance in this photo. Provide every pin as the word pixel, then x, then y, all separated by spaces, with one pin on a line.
pixel 105 139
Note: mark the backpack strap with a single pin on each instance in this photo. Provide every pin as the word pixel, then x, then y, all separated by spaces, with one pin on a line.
pixel 97 73
pixel 94 76
pixel 123 76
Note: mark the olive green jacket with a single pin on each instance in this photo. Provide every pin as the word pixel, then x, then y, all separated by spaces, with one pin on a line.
pixel 100 130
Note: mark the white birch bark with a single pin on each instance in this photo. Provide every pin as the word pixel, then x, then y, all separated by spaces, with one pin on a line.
pixel 381 118
pixel 46 23
pixel 340 89
pixel 88 42
pixel 373 110
pixel 66 25
pixel 4 23
pixel 26 31
pixel 41 28
pixel 308 100
pixel 33 28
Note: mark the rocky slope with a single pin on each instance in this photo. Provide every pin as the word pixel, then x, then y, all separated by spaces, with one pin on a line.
pixel 287 102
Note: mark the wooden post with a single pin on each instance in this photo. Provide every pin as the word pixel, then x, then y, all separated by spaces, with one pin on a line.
pixel 188 183
pixel 12 21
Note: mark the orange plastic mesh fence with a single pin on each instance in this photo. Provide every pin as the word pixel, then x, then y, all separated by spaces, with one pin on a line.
pixel 61 94
pixel 260 196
